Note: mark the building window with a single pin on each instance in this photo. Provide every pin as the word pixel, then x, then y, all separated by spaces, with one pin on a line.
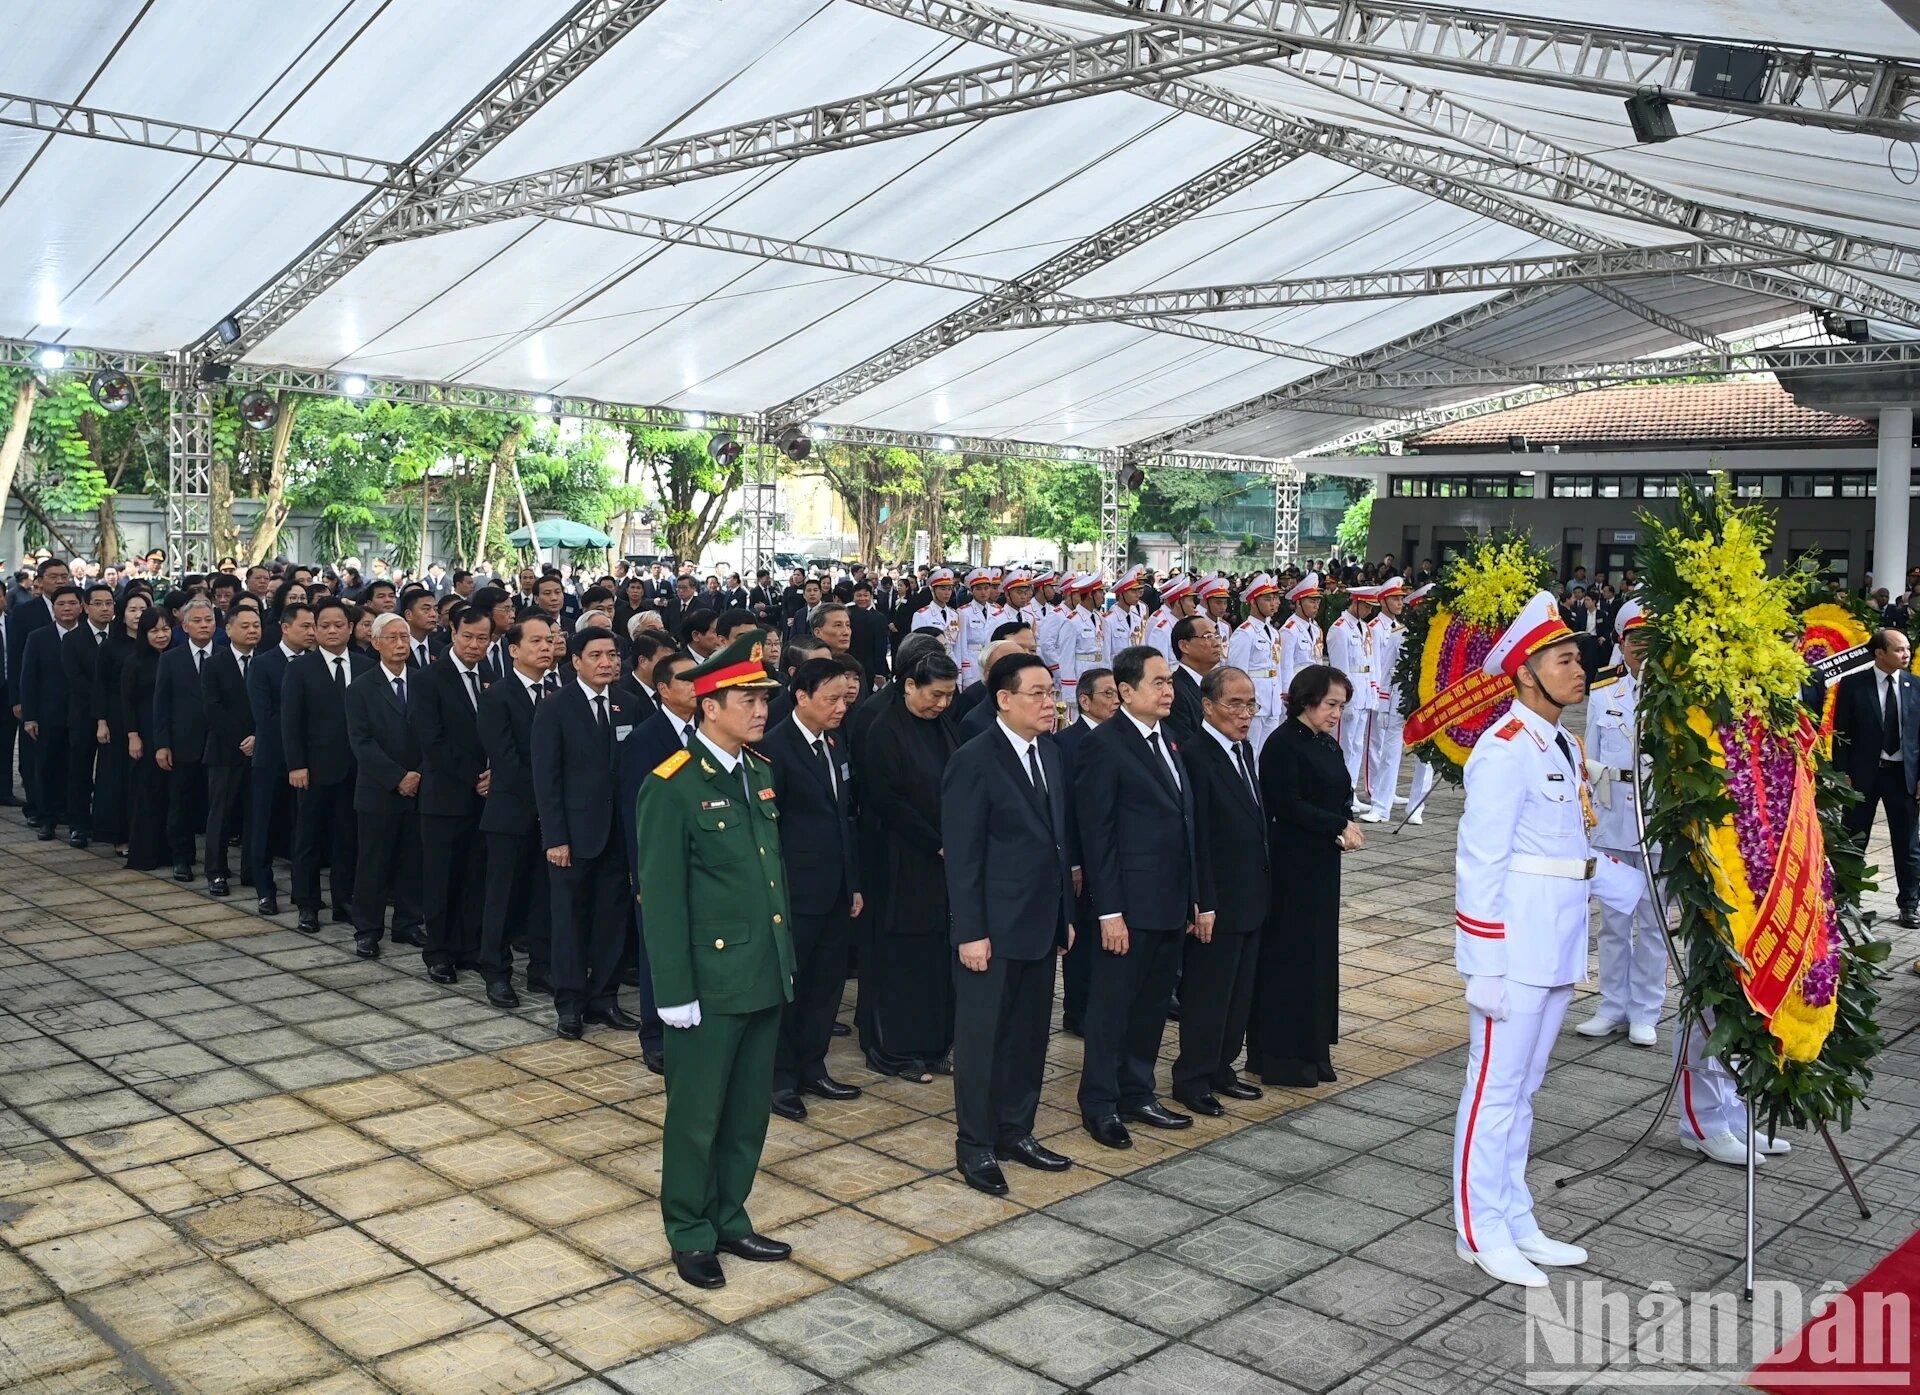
pixel 1572 486
pixel 1409 487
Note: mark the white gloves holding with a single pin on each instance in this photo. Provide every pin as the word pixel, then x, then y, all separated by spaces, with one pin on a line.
pixel 686 1015
pixel 1486 994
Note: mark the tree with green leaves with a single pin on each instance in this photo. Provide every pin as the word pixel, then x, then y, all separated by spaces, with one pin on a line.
pixel 871 480
pixel 690 487
pixel 1355 523
pixel 1064 504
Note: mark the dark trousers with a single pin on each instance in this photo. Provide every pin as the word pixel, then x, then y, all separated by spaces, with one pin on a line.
pixel 1076 969
pixel 386 870
pixel 1001 1018
pixel 1127 997
pixel 1216 994
pixel 820 946
pixel 30 749
pixel 83 748
pixel 590 930
pixel 267 792
pixel 452 888
pixel 323 831
pixel 1889 787
pixel 226 807
pixel 48 790
pixel 7 726
pixel 516 899
pixel 186 808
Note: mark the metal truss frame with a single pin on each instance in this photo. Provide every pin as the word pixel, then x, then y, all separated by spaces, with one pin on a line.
pixel 1863 93
pixel 1823 358
pixel 189 466
pixel 1089 68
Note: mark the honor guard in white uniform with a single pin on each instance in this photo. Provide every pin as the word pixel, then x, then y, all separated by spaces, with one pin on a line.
pixel 979 618
pixel 1384 745
pixel 940 615
pixel 1176 604
pixel 1422 772
pixel 1255 647
pixel 1046 593
pixel 1523 871
pixel 1350 649
pixel 1214 595
pixel 1076 640
pixel 1017 601
pixel 1126 623
pixel 1301 642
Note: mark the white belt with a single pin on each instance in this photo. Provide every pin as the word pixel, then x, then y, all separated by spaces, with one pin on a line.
pixel 1572 868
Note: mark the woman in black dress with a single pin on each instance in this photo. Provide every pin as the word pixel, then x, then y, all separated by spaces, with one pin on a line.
pixel 110 773
pixel 1304 784
pixel 146 781
pixel 900 758
pixel 287 593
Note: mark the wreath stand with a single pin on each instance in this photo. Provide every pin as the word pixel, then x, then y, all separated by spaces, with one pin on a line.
pixel 1689 1019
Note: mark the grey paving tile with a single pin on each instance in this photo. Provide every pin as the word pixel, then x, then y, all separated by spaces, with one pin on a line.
pixel 950 1367
pixel 1396 1305
pixel 1162 1293
pixel 1190 1371
pixel 951 1290
pixel 1336 1124
pixel 1278 1152
pixel 108 1110
pixel 1424 1249
pixel 1337 1222
pixel 501 1031
pixel 838 1332
pixel 1065 1340
pixel 1129 1213
pixel 1045 1249
pixel 1398 1102
pixel 1412 1371
pixel 1384 1184
pixel 1246 1254
pixel 1293 1343
pixel 312 1070
pixel 310 1007
pixel 722 1364
pixel 405 1053
pixel 248 1048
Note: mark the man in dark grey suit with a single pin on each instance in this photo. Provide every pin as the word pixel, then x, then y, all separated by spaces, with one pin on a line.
pixel 1876 723
pixel 270 800
pixel 386 789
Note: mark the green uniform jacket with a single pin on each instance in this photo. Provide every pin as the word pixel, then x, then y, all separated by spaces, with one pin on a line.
pixel 713 892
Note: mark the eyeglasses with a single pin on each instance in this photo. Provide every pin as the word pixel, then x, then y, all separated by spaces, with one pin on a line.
pixel 1241 705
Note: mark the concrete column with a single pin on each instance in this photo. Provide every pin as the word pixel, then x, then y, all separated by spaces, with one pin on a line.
pixel 1890 554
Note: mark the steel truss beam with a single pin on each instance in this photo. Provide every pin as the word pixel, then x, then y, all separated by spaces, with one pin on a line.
pixel 566 50
pixel 189 466
pixel 1865 93
pixel 1827 358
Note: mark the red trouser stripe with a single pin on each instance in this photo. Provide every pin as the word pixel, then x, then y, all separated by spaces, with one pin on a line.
pixel 1686 1100
pixel 1466 1144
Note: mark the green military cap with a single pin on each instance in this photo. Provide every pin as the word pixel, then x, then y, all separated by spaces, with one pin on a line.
pixel 737 665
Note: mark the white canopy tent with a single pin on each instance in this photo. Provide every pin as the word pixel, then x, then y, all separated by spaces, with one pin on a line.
pixel 502 199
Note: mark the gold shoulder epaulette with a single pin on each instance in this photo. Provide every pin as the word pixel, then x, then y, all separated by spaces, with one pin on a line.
pixel 756 755
pixel 671 764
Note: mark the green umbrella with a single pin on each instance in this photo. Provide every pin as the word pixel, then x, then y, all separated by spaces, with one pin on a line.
pixel 559 532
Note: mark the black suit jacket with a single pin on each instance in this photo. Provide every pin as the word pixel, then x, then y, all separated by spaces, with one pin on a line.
pixel 266 676
pixel 1009 876
pixel 573 769
pixel 1184 721
pixel 385 746
pixel 1137 834
pixel 636 698
pixel 447 724
pixel 979 718
pixel 505 726
pixel 1857 719
pixel 871 643
pixel 816 820
pixel 313 717
pixel 43 680
pixel 1230 840
pixel 180 704
pixel 80 663
pixel 229 707
pixel 23 618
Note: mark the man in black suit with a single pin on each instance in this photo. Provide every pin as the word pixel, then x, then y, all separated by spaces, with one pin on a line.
pixel 813 788
pixel 79 660
pixel 444 707
pixel 1137 839
pixel 386 789
pixel 575 734
pixel 270 801
pixel 180 730
pixel 1230 845
pixel 636 686
pixel 230 743
pixel 1877 717
pixel 516 894
pixel 497 605
pixel 1196 653
pixel 313 736
pixel 421 610
pixel 870 638
pixel 1008 826
pixel 1097 701
pixel 32 613
pixel 9 686
pixel 46 708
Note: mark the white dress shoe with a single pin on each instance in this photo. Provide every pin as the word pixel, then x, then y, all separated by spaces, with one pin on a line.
pixel 1506 1264
pixel 1543 1251
pixel 1767 1145
pixel 1371 817
pixel 1722 1147
pixel 1641 1034
pixel 1600 1025
pixel 1417 816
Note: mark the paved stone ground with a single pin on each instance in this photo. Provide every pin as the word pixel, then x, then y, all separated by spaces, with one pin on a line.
pixel 236 1159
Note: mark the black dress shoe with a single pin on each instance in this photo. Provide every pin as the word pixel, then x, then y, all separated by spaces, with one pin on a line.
pixel 341 916
pixel 788 1105
pixel 217 886
pixel 1324 1069
pixel 501 995
pixel 270 905
pixel 1030 1152
pixel 1158 1116
pixel 983 1174
pixel 409 937
pixel 841 1029
pixel 1202 1104
pixel 571 1027
pixel 182 871
pixel 537 983
pixel 309 922
pixel 367 949
pixel 757 1248
pixel 77 840
pixel 1071 1026
pixel 701 1268
pixel 827 1088
pixel 1239 1090
pixel 1908 919
pixel 47 835
pixel 1108 1130
pixel 444 973
pixel 656 1061
pixel 1173 1010
pixel 612 1017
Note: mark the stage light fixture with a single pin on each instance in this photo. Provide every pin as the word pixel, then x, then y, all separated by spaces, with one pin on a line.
pixel 258 410
pixel 112 389
pixel 1852 328
pixel 212 373
pixel 818 430
pixel 696 421
pixel 725 447
pixel 543 405
pixel 1517 445
pixel 353 385
pixel 1651 117
pixel 51 358
pixel 943 443
pixel 228 330
pixel 1131 478
pixel 796 444
pixel 1071 453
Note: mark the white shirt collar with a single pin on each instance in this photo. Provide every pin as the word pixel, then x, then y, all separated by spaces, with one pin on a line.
pixel 1192 672
pixel 727 763
pixel 1226 742
pixel 590 693
pixel 1139 725
pixel 203 650
pixel 291 654
pixel 1020 743
pixel 463 669
pixel 97 629
pixel 806 735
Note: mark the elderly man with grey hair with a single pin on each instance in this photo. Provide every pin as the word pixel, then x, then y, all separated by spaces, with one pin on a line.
pixel 180 732
pixel 387 762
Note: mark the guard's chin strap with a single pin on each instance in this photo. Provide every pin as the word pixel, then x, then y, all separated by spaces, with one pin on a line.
pixel 1541 685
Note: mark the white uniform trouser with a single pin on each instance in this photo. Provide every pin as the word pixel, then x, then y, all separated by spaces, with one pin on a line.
pixel 1384 749
pixel 1506 1061
pixel 1422 782
pixel 1353 745
pixel 1633 959
pixel 1709 1101
pixel 1265 725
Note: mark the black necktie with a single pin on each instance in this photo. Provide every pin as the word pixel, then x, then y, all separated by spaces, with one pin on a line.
pixel 1560 740
pixel 600 713
pixel 1890 721
pixel 1244 752
pixel 99 636
pixel 199 660
pixel 536 691
pixel 686 734
pixel 243 666
pixel 400 689
pixel 826 763
pixel 1033 768
pixel 1153 740
pixel 420 654
pixel 340 673
pixel 473 686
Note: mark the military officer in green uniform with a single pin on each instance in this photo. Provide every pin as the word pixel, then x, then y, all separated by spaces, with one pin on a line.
pixel 718 938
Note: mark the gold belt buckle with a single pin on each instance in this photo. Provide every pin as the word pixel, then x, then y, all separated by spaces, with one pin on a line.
pixel 1590 866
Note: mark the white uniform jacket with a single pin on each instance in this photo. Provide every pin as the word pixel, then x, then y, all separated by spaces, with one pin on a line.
pixel 1255 647
pixel 1389 635
pixel 943 618
pixel 1525 801
pixel 1350 649
pixel 1125 627
pixel 1074 643
pixel 1301 646
pixel 977 624
pixel 1160 632
pixel 1610 719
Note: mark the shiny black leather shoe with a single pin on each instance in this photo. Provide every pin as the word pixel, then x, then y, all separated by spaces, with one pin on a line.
pixel 1240 1090
pixel 367 949
pixel 1202 1104
pixel 182 871
pixel 1030 1152
pixel 788 1105
pixel 571 1027
pixel 612 1017
pixel 501 995
pixel 1108 1130
pixel 217 886
pixel 1157 1116
pixel 656 1061
pixel 309 923
pixel 827 1088
pixel 757 1248
pixel 444 973
pixel 983 1174
pixel 701 1268
pixel 270 905
pixel 78 840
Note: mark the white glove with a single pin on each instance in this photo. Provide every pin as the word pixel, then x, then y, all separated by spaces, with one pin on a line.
pixel 1486 994
pixel 1600 780
pixel 686 1015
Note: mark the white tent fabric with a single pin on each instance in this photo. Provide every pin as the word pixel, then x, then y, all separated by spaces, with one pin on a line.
pixel 125 247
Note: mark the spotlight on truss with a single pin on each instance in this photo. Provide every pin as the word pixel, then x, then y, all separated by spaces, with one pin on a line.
pixel 796 444
pixel 52 358
pixel 214 373
pixel 228 330
pixel 543 405
pixel 353 385
pixel 696 421
pixel 259 411
pixel 1071 453
pixel 943 443
pixel 112 389
pixel 1131 478
pixel 725 447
